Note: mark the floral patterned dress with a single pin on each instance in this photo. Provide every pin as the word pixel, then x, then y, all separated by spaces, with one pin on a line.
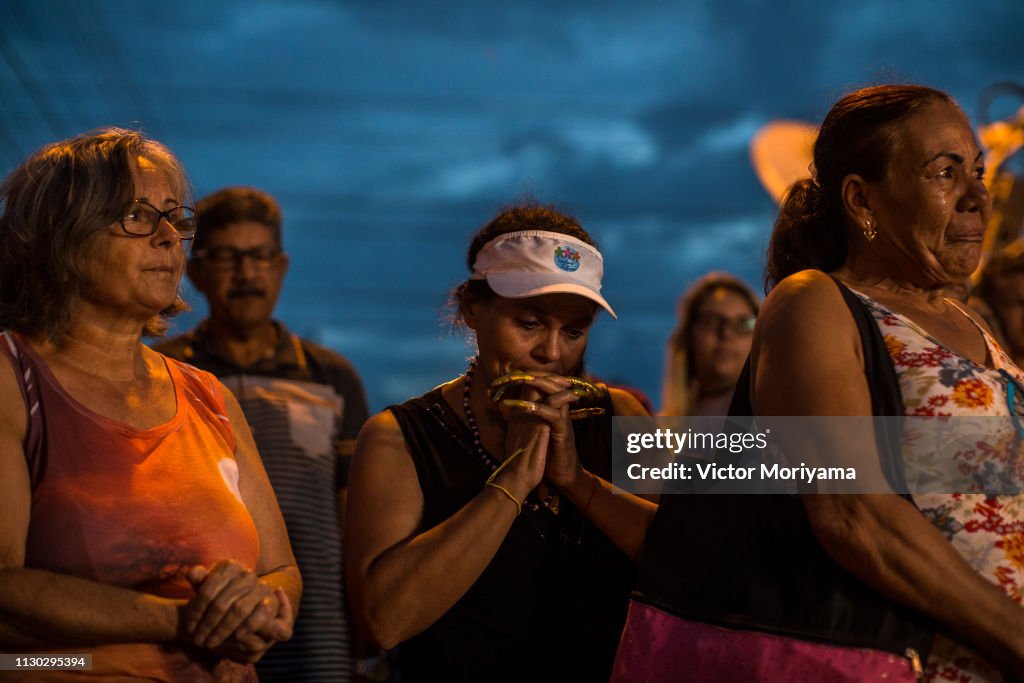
pixel 986 529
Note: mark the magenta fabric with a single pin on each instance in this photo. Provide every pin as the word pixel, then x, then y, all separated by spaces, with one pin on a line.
pixel 657 647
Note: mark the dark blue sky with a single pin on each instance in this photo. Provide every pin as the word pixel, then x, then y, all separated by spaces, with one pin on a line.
pixel 390 131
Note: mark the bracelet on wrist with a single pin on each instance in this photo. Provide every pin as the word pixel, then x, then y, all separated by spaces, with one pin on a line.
pixel 519 506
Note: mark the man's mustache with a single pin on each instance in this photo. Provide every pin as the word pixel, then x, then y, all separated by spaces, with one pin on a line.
pixel 246 291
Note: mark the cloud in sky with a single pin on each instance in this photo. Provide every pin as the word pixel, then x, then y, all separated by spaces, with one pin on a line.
pixel 392 130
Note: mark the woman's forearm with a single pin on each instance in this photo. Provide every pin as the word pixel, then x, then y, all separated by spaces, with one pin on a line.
pixel 411 585
pixel 888 544
pixel 288 579
pixel 40 608
pixel 622 517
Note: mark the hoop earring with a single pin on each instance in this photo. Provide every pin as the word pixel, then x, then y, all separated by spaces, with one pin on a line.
pixel 869 230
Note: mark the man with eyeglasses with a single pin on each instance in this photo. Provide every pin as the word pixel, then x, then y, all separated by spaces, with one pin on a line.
pixel 305 405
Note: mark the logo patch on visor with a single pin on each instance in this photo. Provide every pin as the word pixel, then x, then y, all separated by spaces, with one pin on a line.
pixel 567 259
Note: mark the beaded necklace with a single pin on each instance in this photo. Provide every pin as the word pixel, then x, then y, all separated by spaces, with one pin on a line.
pixel 486 458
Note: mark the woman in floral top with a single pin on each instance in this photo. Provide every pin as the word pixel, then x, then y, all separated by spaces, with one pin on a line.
pixel 896 211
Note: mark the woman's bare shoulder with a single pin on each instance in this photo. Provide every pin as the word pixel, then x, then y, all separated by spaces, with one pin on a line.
pixel 806 343
pixel 13 414
pixel 381 443
pixel 383 425
pixel 808 303
pixel 808 290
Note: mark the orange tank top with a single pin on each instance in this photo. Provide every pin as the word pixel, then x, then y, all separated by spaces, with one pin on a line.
pixel 131 507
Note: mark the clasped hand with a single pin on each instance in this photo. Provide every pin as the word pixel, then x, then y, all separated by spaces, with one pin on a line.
pixel 539 424
pixel 235 613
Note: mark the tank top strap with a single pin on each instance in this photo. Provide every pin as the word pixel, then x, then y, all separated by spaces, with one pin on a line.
pixel 26 372
pixel 202 388
pixel 1000 361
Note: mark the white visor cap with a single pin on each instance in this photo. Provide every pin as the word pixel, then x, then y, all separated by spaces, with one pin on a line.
pixel 533 262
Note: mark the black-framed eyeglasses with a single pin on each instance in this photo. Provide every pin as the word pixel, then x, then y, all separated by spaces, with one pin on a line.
pixel 717 323
pixel 144 219
pixel 225 257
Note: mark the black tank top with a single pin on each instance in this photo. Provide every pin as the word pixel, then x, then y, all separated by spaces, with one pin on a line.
pixel 753 562
pixel 551 604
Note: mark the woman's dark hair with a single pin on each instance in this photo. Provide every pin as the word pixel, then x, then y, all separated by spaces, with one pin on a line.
pixel 859 135
pixel 512 219
pixel 54 204
pixel 677 394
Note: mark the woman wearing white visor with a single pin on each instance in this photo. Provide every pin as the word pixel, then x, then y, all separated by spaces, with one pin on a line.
pixel 476 511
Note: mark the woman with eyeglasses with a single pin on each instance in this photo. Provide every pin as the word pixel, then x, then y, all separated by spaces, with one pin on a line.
pixel 707 349
pixel 920 576
pixel 483 536
pixel 138 523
